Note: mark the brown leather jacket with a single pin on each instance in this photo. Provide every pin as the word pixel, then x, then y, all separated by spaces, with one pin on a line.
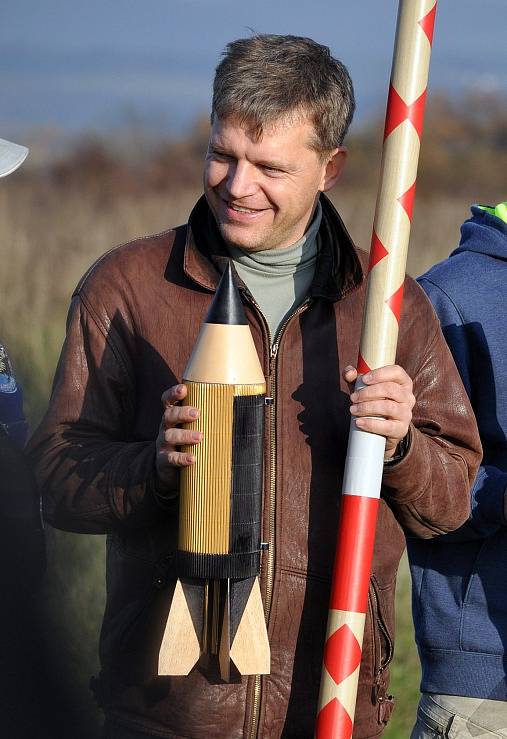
pixel 132 324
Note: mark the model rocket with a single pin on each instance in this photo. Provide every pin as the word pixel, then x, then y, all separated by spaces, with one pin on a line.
pixel 365 454
pixel 216 611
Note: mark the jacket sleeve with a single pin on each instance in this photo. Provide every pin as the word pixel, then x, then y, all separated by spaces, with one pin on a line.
pixel 488 491
pixel 93 477
pixel 429 488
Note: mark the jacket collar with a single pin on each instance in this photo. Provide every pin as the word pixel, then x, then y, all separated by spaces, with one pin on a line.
pixel 338 269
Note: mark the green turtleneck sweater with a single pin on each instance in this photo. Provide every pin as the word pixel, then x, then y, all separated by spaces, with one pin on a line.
pixel 279 279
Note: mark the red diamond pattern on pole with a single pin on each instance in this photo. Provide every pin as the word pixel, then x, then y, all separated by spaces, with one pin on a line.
pixel 407 201
pixel 395 302
pixel 399 111
pixel 333 720
pixel 428 23
pixel 342 642
pixel 362 367
pixel 377 251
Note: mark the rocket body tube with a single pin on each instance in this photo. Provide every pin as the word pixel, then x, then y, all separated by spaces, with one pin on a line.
pixel 364 465
pixel 220 508
pixel 217 609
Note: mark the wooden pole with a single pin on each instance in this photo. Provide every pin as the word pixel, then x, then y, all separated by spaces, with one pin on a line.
pixel 365 454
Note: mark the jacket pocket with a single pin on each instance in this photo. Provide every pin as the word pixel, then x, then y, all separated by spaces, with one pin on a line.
pixel 447 571
pixel 135 585
pixel 484 614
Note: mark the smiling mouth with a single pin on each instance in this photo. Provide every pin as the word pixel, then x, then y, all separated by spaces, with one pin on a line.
pixel 243 209
pixel 240 209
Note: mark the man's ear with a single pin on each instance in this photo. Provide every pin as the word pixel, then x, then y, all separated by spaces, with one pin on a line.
pixel 335 162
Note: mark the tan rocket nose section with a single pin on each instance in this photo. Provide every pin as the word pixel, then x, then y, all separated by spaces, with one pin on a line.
pixel 225 354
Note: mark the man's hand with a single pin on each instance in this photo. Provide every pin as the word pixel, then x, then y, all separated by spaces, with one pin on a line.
pixel 170 437
pixel 388 396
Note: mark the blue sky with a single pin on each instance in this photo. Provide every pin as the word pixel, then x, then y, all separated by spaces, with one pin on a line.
pixel 102 63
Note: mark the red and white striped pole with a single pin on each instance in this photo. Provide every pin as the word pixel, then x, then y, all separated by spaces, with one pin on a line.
pixel 365 454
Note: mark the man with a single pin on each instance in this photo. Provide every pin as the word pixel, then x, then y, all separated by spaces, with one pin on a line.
pixel 281 107
pixel 460 606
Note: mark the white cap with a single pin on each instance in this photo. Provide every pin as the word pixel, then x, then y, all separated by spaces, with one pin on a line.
pixel 11 156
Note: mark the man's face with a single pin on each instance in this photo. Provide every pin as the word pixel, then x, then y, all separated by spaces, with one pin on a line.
pixel 263 193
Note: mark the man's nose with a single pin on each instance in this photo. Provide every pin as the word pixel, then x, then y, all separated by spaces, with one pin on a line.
pixel 240 179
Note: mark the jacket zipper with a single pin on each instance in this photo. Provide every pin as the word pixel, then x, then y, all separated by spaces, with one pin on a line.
pixel 256 700
pixel 381 664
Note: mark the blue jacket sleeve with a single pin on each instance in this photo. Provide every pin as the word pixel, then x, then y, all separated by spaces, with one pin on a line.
pixel 488 491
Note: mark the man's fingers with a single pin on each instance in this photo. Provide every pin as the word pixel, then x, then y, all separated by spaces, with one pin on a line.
pixel 176 437
pixel 173 395
pixel 381 426
pixel 384 408
pixel 171 435
pixel 176 414
pixel 391 373
pixel 389 390
pixel 383 405
pixel 174 459
pixel 350 374
pixel 180 459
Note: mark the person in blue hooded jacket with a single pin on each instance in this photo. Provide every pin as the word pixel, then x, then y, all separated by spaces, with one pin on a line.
pixel 459 585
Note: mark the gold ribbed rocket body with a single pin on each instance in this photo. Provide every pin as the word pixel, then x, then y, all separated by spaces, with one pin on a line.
pixel 205 487
pixel 224 365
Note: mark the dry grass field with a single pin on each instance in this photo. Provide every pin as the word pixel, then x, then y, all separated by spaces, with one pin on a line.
pixel 56 222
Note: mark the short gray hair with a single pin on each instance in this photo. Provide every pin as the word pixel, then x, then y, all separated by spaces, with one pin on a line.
pixel 265 78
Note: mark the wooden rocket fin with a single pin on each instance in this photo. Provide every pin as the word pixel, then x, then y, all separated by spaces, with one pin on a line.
pixel 250 648
pixel 180 648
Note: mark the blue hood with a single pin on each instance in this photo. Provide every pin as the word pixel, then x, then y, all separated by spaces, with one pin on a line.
pixel 483 233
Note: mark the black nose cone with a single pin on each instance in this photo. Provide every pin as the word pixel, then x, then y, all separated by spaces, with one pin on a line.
pixel 227 306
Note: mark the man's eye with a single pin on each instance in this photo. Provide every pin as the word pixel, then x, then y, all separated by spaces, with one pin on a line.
pixel 271 170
